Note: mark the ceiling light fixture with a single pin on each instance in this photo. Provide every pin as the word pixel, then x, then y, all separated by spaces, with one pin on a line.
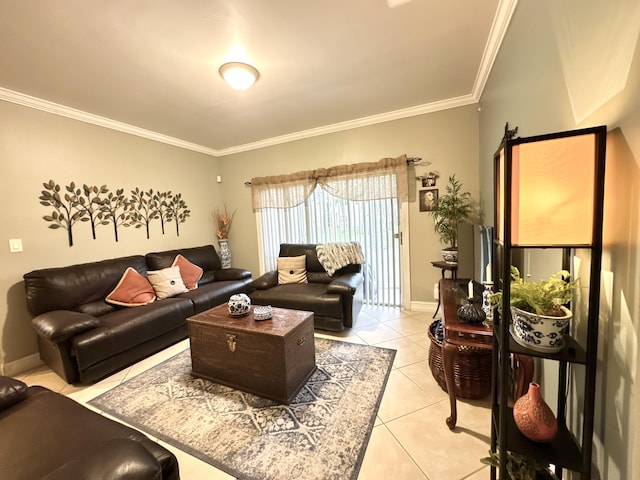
pixel 239 75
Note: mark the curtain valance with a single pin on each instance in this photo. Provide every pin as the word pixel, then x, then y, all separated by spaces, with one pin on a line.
pixel 386 178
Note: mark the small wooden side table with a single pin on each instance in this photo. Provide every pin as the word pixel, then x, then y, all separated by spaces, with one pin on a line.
pixel 457 334
pixel 444 266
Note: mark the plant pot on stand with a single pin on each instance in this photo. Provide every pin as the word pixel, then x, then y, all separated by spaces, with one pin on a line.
pixel 450 255
pixel 451 208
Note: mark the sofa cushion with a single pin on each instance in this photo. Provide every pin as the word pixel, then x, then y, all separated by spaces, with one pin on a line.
pixel 312 297
pixel 97 308
pixel 68 288
pixel 308 249
pixel 292 270
pixel 189 272
pixel 213 294
pixel 126 328
pixel 133 290
pixel 167 282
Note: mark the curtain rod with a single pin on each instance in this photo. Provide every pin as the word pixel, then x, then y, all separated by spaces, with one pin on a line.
pixel 410 160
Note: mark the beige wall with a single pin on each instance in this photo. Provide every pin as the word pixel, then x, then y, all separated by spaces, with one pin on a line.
pixel 447 139
pixel 528 87
pixel 36 147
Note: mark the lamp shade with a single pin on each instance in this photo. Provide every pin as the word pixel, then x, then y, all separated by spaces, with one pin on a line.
pixel 552 191
pixel 238 75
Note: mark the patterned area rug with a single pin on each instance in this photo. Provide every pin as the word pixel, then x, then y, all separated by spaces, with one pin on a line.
pixel 323 434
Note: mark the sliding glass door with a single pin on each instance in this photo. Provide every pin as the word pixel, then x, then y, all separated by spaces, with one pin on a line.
pixel 324 218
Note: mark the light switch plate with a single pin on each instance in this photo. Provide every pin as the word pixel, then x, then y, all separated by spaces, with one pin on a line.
pixel 15 245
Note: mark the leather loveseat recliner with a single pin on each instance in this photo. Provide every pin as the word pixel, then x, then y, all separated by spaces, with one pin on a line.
pixel 47 436
pixel 334 300
pixel 84 338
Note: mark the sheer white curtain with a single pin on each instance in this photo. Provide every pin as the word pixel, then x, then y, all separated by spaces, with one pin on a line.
pixel 354 203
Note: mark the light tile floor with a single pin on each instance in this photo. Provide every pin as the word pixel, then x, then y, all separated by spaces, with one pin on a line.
pixel 410 440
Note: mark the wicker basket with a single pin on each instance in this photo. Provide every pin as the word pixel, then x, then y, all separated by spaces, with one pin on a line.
pixel 471 368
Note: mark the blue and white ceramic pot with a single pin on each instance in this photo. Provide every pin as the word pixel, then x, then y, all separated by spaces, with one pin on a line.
pixel 540 332
pixel 239 305
pixel 225 253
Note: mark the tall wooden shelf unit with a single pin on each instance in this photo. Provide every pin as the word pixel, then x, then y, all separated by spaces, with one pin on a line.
pixel 515 159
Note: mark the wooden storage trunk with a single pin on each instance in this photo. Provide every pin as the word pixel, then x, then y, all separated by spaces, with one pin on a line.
pixel 271 358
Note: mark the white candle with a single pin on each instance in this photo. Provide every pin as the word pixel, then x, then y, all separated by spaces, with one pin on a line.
pixel 470 288
pixel 487 274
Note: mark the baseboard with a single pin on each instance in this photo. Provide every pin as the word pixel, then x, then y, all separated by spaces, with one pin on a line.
pixel 424 306
pixel 21 365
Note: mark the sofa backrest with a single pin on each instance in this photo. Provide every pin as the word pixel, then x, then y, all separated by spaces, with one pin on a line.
pixel 81 287
pixel 315 271
pixel 205 257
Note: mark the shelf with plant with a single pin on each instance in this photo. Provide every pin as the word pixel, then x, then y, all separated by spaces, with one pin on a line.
pixel 539 315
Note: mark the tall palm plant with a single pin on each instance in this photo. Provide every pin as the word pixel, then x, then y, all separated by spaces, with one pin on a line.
pixel 453 207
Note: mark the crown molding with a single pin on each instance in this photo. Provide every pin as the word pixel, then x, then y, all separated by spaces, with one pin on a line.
pixel 350 124
pixel 499 27
pixel 498 30
pixel 64 111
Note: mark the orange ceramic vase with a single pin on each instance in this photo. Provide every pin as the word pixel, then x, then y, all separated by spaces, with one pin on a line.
pixel 533 416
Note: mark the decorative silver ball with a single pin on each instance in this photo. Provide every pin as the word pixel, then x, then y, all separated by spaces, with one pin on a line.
pixel 239 305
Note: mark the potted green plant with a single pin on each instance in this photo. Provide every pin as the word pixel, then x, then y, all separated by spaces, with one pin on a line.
pixel 540 318
pixel 451 208
pixel 521 467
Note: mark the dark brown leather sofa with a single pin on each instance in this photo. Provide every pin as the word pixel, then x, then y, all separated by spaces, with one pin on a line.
pixel 83 338
pixel 48 436
pixel 335 301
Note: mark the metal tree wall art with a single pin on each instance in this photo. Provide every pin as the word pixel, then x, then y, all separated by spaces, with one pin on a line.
pixel 89 199
pixel 114 209
pixel 99 206
pixel 142 209
pixel 66 209
pixel 178 211
pixel 162 200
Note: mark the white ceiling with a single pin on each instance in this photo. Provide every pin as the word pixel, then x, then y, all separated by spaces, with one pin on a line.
pixel 150 67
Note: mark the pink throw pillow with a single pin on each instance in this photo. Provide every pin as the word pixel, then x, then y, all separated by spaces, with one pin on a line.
pixel 189 272
pixel 133 290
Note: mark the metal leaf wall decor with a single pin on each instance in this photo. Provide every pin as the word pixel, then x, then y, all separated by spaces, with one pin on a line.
pixel 101 206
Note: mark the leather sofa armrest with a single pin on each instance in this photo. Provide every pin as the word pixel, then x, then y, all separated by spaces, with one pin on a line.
pixel 266 281
pixel 232 274
pixel 12 391
pixel 60 325
pixel 346 284
pixel 115 459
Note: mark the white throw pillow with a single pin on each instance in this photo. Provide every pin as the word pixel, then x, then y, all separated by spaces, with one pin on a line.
pixel 167 282
pixel 292 270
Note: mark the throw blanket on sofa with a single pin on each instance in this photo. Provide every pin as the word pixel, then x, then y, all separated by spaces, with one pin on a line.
pixel 334 256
